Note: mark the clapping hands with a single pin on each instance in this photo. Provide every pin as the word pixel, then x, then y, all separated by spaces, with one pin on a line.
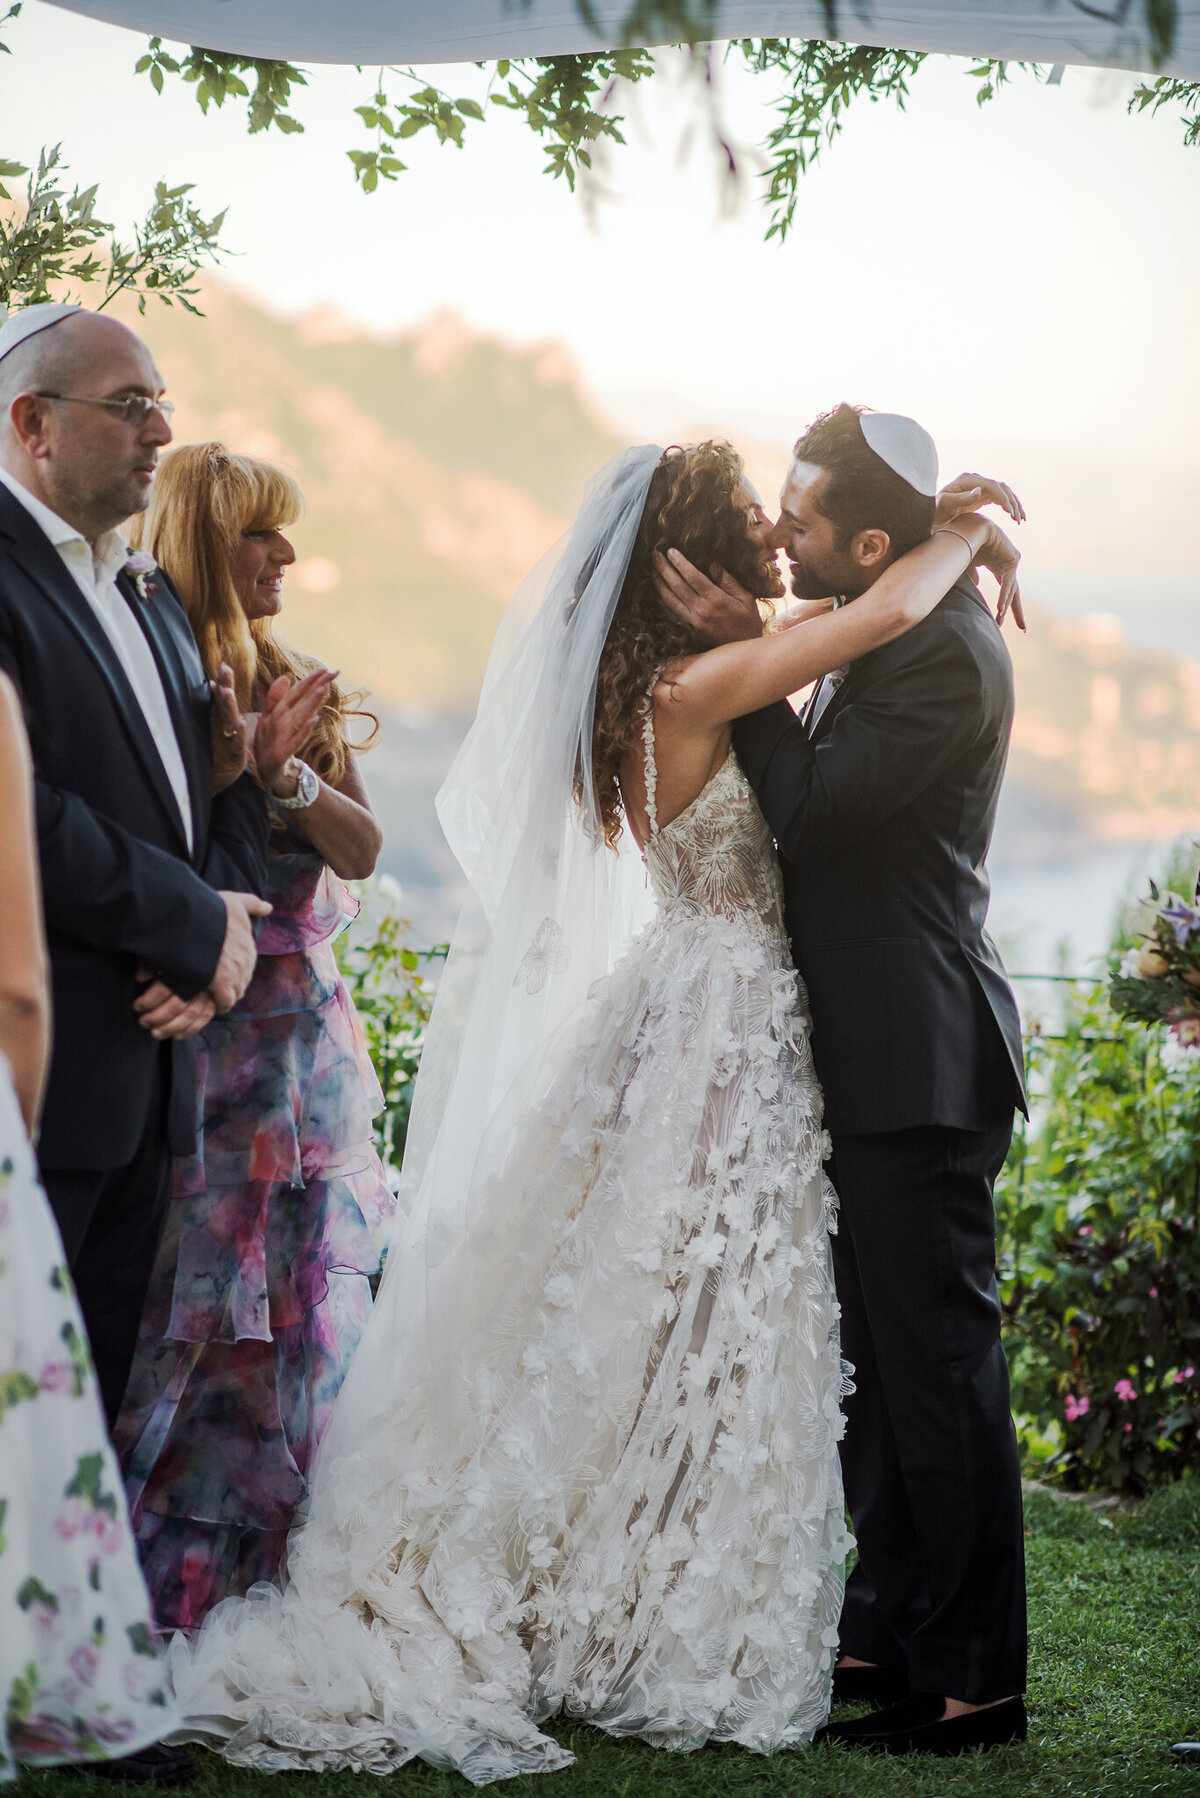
pixel 230 732
pixel 289 712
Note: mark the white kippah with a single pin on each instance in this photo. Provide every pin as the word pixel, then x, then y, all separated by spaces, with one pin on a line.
pixel 902 444
pixel 21 325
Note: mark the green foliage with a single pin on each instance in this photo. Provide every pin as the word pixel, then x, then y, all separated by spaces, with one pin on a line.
pixel 1166 91
pixel 55 244
pixel 217 77
pixel 570 102
pixel 393 998
pixel 1099 1254
pixel 820 80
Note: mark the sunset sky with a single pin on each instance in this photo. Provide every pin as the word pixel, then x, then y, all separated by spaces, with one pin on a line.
pixel 1023 277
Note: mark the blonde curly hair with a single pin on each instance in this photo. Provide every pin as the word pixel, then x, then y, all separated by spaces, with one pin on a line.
pixel 696 503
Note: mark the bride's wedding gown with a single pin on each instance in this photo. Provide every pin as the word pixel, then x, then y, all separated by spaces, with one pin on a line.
pixel 643 1524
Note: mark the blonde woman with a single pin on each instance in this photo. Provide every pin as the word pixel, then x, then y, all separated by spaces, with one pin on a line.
pixel 262 1287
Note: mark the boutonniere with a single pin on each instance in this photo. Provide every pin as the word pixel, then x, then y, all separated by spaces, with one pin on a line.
pixel 838 675
pixel 140 566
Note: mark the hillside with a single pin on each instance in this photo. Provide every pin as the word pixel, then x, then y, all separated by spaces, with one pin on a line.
pixel 439 465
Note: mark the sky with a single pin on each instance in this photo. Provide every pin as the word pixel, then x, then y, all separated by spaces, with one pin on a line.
pixel 1023 277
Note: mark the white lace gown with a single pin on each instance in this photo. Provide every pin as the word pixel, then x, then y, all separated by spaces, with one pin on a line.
pixel 643 1526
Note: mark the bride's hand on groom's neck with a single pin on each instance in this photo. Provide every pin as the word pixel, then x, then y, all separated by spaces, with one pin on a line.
pixel 716 607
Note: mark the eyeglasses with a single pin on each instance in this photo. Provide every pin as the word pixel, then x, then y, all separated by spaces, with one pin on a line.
pixel 135 409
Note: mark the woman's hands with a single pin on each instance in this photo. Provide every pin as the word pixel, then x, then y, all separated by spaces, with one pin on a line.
pixel 967 492
pixel 285 724
pixel 996 552
pixel 230 735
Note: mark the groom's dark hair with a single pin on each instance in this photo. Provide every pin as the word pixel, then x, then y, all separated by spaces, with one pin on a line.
pixel 861 492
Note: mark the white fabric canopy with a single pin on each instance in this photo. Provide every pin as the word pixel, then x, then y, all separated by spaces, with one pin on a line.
pixel 403 31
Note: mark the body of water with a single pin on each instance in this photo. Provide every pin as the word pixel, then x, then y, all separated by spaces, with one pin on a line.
pixel 1050 915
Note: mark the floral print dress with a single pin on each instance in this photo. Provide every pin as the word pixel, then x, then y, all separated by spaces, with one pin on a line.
pixel 262 1285
pixel 79 1676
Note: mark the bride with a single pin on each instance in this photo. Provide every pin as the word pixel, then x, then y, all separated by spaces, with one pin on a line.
pixel 585 1461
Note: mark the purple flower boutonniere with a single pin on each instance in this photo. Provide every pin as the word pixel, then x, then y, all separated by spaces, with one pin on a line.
pixel 140 566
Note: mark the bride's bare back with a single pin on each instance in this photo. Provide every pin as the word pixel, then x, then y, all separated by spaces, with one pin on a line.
pixel 687 753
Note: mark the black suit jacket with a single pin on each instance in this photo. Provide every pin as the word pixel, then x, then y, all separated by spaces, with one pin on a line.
pixel 120 886
pixel 883 820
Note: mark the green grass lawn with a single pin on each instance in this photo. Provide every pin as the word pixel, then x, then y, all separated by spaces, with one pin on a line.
pixel 1114 1603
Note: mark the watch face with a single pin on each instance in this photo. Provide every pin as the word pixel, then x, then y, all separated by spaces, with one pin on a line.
pixel 310 786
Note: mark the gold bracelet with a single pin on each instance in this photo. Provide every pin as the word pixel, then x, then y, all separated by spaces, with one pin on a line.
pixel 948 530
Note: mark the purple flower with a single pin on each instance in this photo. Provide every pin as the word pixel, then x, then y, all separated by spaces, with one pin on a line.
pixel 1125 1391
pixel 55 1376
pixel 1183 919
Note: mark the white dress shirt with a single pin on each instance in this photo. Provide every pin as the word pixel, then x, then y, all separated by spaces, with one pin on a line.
pixel 95 573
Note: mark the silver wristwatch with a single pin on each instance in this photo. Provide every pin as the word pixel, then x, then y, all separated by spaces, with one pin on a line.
pixel 306 791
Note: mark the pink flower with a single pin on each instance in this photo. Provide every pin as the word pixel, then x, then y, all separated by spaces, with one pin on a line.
pixel 1153 1293
pixel 72 1518
pixel 111 1533
pixel 84 1664
pixel 1125 1391
pixel 55 1376
pixel 1186 1374
pixel 1076 1407
pixel 1185 1028
pixel 1084 1230
pixel 1128 1428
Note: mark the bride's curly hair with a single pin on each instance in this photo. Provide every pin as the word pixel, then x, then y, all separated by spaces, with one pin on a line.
pixel 696 503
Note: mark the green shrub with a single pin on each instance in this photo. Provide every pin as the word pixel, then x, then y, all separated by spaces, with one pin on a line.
pixel 394 1000
pixel 1099 1254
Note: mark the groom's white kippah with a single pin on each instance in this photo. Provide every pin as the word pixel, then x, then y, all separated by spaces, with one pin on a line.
pixel 904 445
pixel 20 326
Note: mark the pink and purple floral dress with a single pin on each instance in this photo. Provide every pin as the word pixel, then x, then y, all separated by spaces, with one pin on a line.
pixel 262 1285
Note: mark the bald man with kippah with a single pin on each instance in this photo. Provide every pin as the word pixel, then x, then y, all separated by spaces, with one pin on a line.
pixel 151 886
pixel 882 800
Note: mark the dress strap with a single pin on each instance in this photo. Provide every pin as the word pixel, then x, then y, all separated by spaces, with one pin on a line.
pixel 651 766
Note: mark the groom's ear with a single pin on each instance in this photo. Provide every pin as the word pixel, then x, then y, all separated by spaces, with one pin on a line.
pixel 871 550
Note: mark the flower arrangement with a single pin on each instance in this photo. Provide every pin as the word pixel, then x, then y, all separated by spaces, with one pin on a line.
pixel 1158 980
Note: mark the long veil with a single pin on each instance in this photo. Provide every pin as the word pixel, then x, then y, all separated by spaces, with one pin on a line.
pixel 549 912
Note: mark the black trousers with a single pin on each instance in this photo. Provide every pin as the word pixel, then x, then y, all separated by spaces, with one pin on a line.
pixel 111 1222
pixel 929 1456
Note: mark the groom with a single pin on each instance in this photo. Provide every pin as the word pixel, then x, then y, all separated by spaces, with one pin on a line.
pixel 882 802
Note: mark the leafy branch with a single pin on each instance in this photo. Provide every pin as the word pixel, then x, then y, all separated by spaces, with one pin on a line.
pixel 820 81
pixel 55 243
pixel 217 77
pixel 570 102
pixel 1166 91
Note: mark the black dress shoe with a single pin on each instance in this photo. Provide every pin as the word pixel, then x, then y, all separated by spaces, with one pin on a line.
pixel 918 1727
pixel 870 1685
pixel 169 1766
pixel 1186 1751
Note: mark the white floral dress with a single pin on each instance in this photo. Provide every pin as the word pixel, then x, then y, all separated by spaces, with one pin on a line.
pixel 80 1677
pixel 645 1529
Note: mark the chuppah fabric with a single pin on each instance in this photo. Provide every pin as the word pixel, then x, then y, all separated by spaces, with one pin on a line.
pixel 1108 33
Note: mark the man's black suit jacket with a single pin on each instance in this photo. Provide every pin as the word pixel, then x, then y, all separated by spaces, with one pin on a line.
pixel 120 886
pixel 883 820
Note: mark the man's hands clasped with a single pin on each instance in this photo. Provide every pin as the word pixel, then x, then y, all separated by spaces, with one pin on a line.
pixel 168 1017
